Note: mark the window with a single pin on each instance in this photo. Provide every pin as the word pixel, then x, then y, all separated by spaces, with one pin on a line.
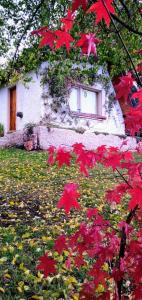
pixel 86 102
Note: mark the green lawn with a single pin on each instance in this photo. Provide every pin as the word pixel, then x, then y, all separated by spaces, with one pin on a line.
pixel 29 222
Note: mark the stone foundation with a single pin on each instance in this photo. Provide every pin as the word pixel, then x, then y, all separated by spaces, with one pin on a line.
pixel 65 137
pixel 12 139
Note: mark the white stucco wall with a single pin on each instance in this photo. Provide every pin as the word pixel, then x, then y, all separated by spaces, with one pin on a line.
pixel 4 108
pixel 28 101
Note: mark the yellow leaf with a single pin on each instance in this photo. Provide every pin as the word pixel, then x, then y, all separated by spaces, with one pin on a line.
pixel 100 289
pixel 11 249
pixel 36 297
pixel 7 275
pixel 2 260
pixel 19 289
pixel 14 259
pixel 105 267
pixel 75 297
pixel 26 235
pixel 46 238
pixel 20 246
pixel 2 290
pixel 70 280
pixel 66 253
pixel 26 288
pixel 60 258
pixel 21 283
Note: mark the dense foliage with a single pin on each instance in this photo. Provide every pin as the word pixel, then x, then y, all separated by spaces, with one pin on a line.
pixel 20 17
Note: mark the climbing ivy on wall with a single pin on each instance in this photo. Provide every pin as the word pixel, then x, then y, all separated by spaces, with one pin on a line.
pixel 61 75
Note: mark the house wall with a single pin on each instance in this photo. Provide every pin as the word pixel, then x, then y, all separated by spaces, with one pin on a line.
pixel 4 108
pixel 28 101
pixel 113 122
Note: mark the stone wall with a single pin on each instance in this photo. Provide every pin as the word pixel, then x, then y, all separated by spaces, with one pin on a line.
pixel 12 139
pixel 65 137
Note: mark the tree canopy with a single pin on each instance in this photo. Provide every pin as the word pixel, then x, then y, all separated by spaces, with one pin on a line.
pixel 19 49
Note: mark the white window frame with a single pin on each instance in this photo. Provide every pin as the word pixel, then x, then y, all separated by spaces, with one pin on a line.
pixel 100 102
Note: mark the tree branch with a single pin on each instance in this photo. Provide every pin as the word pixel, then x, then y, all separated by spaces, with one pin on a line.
pixel 27 28
pixel 131 29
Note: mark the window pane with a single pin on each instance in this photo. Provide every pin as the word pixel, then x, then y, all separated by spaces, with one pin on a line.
pixel 88 102
pixel 73 99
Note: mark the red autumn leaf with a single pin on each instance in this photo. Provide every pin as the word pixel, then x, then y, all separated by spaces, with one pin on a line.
pixel 133 120
pixel 123 88
pixel 138 52
pixel 51 152
pixel 87 292
pixel 68 263
pixel 77 3
pixel 48 39
pixel 68 21
pixel 138 95
pixel 40 31
pixel 92 212
pixel 136 197
pixel 69 198
pixel 113 160
pixel 139 67
pixel 88 43
pixel 78 147
pixel 48 36
pixel 127 156
pixel 86 160
pixel 60 244
pixel 101 11
pixel 47 265
pixel 79 261
pixel 63 157
pixel 63 39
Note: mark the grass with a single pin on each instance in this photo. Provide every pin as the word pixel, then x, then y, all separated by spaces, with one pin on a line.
pixel 30 221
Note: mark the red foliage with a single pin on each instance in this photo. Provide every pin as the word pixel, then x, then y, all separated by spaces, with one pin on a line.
pixel 136 197
pixel 117 193
pixel 51 152
pixel 63 39
pixel 47 265
pixel 48 37
pixel 123 88
pixel 69 197
pixel 68 21
pixel 77 3
pixel 101 11
pixel 88 43
pixel 63 157
pixel 92 212
pixel 60 244
pixel 133 120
